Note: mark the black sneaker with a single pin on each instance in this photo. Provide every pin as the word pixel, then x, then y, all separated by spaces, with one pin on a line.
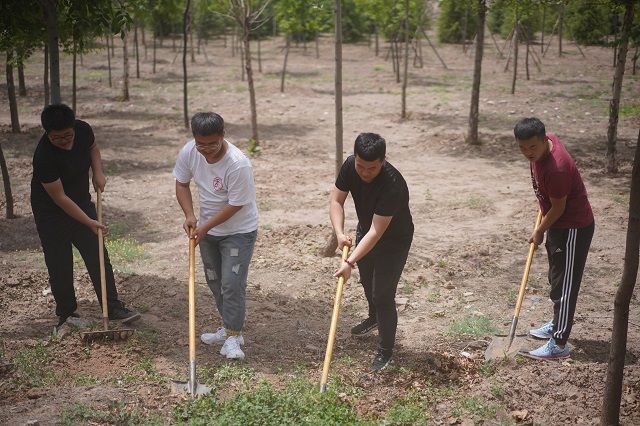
pixel 364 327
pixel 120 313
pixel 380 362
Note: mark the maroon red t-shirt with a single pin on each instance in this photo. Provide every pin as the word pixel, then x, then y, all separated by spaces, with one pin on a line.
pixel 556 176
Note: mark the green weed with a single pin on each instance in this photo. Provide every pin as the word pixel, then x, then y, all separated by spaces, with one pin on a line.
pixel 254 148
pixel 441 263
pixel 216 377
pixel 433 296
pixel 298 403
pixel 479 203
pixel 497 390
pixel 632 110
pixel 474 405
pixel 411 409
pixel 472 326
pixel 33 366
pixel 487 368
pixel 86 380
pixel 116 413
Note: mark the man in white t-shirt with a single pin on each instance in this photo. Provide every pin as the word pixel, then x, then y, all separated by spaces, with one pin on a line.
pixel 227 228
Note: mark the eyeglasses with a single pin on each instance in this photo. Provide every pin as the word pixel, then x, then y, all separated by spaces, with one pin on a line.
pixel 61 138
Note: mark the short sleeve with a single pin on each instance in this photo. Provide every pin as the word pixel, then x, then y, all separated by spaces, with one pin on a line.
pixel 558 184
pixel 85 134
pixel 389 202
pixel 44 169
pixel 240 187
pixel 344 179
pixel 182 172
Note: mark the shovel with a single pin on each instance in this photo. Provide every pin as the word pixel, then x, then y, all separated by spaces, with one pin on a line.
pixel 192 386
pixel 105 333
pixel 504 346
pixel 332 329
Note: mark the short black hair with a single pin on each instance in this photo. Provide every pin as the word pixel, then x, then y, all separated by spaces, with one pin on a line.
pixel 370 147
pixel 528 128
pixel 207 123
pixel 57 117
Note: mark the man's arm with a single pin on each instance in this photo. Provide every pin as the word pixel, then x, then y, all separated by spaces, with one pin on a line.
pixel 379 225
pixel 183 194
pixel 222 216
pixel 57 194
pixel 336 215
pixel 558 206
pixel 99 180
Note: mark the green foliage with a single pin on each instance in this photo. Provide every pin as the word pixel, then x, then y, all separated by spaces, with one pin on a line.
pixel 22 29
pixel 474 405
pixel 216 377
pixel 472 326
pixel 453 16
pixel 630 110
pixel 299 402
pixel 587 22
pixel 411 409
pixel 116 413
pixel 33 367
pixel 355 25
pixel 304 19
pixel 386 17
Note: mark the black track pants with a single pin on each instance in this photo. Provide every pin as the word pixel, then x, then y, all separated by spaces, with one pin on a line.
pixel 57 233
pixel 567 251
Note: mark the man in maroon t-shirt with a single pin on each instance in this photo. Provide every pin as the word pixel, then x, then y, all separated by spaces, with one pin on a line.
pixel 568 222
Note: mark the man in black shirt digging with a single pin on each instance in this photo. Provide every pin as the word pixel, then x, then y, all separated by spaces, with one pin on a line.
pixel 64 213
pixel 383 236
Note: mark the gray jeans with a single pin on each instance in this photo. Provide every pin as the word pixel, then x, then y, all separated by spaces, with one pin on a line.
pixel 226 265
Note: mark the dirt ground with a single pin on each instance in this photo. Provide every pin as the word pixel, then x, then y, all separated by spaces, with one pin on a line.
pixel 473 208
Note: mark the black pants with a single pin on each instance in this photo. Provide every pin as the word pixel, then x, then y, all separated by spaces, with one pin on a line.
pixel 380 271
pixel 567 251
pixel 58 232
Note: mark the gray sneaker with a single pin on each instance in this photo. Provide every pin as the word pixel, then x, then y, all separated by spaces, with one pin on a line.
pixel 549 351
pixel 543 332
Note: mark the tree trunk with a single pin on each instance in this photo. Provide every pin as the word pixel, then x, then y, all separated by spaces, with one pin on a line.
pixel 242 62
pixel 284 65
pixel 635 60
pixel 526 57
pixel 135 42
pixel 125 70
pixel 73 78
pixel 332 243
pixel 113 48
pixel 144 40
pixel 544 18
pixel 22 87
pixel 474 112
pixel 109 61
pixel 154 51
pixel 560 27
pixel 615 372
pixel 516 34
pixel 51 19
pixel 191 51
pixel 45 76
pixel 377 40
pixel 614 104
pixel 397 61
pixel 185 32
pixel 405 71
pixel 259 56
pixel 465 22
pixel 252 90
pixel 424 33
pixel 8 195
pixel 11 92
pixel 317 46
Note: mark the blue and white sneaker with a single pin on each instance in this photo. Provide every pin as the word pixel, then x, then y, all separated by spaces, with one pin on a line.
pixel 543 332
pixel 549 351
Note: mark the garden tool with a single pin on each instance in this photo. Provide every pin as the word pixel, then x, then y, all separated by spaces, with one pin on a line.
pixel 105 333
pixel 332 328
pixel 504 346
pixel 192 386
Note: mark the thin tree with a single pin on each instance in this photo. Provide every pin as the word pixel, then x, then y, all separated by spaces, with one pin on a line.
pixel 45 76
pixel 560 27
pixel 8 195
pixel 125 68
pixel 332 242
pixel 185 35
pixel 135 42
pixel 405 72
pixel 474 111
pixel 516 34
pixel 22 87
pixel 284 65
pixel 610 414
pixel 11 92
pixel 614 104
pixel 51 19
pixel 109 60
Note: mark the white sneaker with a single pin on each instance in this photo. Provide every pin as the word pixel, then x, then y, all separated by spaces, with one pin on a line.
pixel 231 348
pixel 214 338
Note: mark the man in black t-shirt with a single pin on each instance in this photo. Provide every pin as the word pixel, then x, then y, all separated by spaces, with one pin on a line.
pixel 64 213
pixel 383 236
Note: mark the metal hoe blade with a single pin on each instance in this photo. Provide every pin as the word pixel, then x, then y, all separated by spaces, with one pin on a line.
pixel 191 387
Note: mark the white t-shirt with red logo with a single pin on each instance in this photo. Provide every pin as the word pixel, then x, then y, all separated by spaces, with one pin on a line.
pixel 228 181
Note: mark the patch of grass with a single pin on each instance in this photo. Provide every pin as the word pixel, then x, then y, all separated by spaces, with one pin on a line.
pixel 487 368
pixel 620 199
pixel 472 326
pixel 85 380
pixel 475 202
pixel 497 390
pixel 475 406
pixel 632 110
pixel 216 377
pixel 378 67
pixel 116 413
pixel 142 338
pixel 512 296
pixel 411 409
pixel 33 367
pixel 441 263
pixel 427 195
pixel 433 296
pixel 143 309
pixel 267 227
pixel 299 402
pixel 150 372
pixel 254 148
pixel 124 249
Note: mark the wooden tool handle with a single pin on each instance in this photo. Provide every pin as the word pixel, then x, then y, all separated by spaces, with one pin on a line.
pixel 192 297
pixel 527 268
pixel 334 325
pixel 103 279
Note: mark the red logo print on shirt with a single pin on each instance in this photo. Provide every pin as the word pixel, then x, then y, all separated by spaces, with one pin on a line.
pixel 217 183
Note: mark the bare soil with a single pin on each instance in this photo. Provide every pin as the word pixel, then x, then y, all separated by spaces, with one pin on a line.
pixel 473 208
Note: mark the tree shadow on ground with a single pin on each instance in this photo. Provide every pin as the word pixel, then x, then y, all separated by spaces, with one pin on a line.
pixel 18 234
pixel 587 350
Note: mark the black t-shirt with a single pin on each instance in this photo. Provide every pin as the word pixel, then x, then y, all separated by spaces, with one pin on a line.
pixel 386 195
pixel 51 163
